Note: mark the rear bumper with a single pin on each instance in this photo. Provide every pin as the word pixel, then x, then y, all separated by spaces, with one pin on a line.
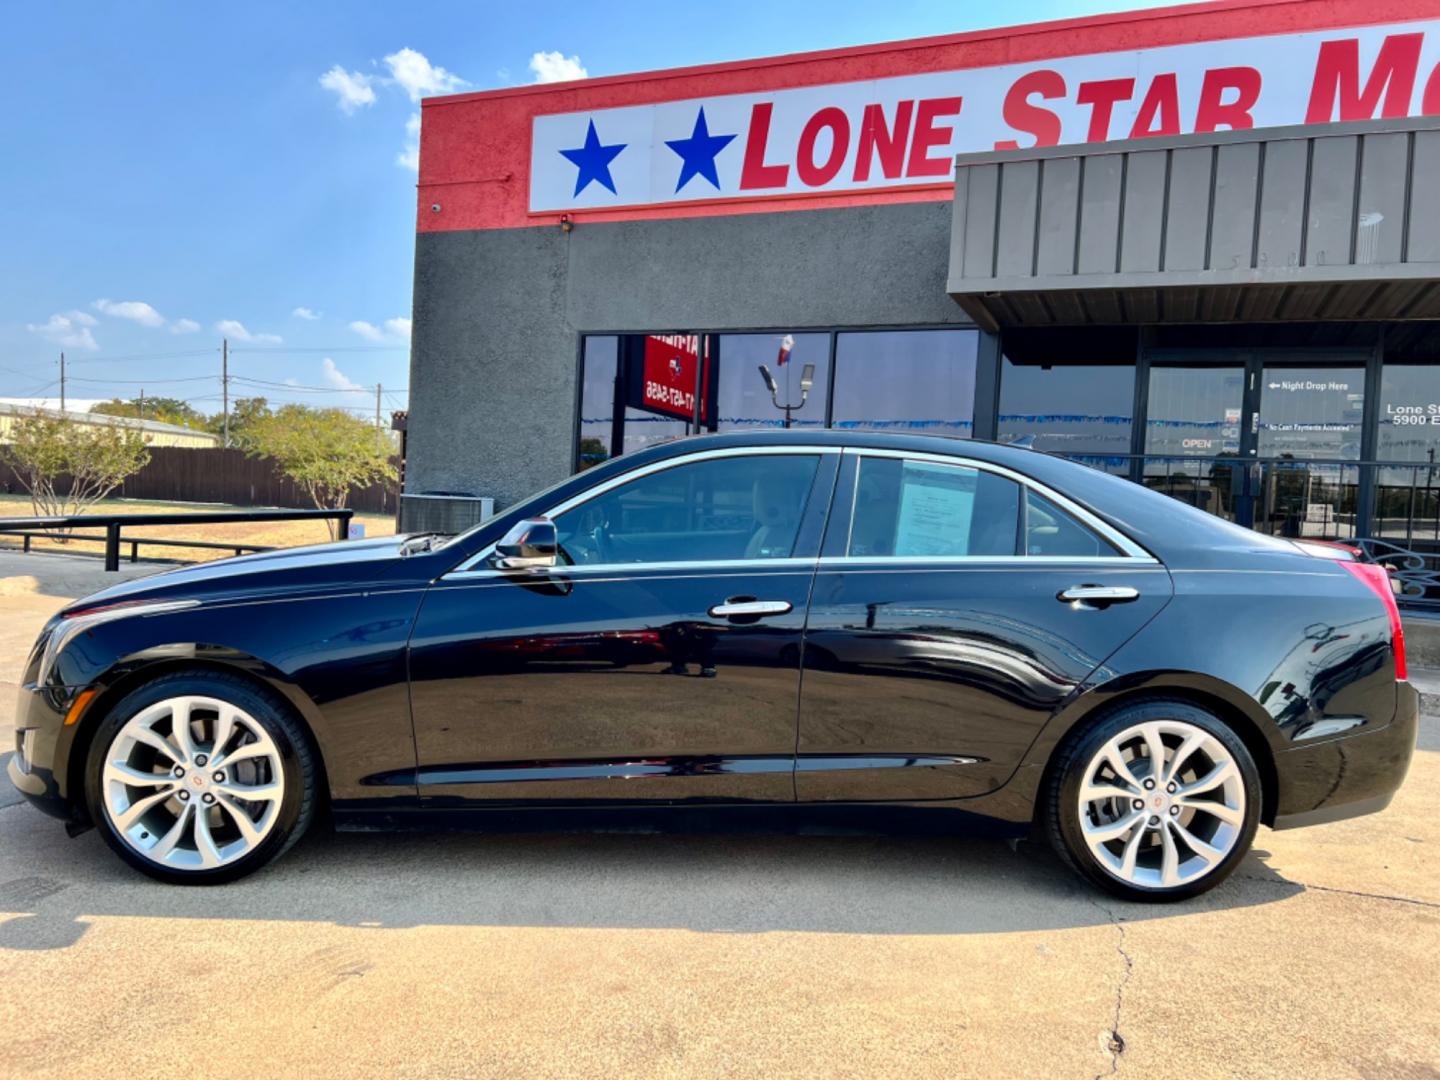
pixel 1349 776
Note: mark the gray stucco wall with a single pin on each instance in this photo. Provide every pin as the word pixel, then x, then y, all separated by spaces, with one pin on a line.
pixel 498 316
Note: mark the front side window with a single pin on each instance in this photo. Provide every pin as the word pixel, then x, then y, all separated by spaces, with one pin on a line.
pixel 919 509
pixel 723 508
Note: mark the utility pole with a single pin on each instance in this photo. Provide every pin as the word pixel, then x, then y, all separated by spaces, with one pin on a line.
pixel 142 403
pixel 62 382
pixel 378 435
pixel 225 388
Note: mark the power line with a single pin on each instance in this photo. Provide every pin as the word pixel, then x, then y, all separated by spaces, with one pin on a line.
pixel 311 389
pixel 190 354
pixel 326 348
pixel 141 382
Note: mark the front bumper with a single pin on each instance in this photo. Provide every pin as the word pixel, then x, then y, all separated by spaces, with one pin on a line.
pixel 38 766
pixel 1351 775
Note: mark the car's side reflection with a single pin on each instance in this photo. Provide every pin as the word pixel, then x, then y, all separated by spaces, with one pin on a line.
pixel 593 678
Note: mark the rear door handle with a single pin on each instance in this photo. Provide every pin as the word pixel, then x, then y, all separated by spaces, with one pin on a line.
pixel 735 608
pixel 1098 594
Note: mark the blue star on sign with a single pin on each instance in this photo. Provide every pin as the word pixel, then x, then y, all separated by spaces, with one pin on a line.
pixel 697 153
pixel 593 160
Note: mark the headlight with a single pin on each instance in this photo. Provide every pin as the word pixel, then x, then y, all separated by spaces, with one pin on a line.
pixel 72 626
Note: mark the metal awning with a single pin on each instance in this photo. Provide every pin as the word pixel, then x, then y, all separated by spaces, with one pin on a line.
pixel 1287 224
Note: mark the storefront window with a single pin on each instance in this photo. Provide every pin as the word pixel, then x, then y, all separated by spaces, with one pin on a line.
pixel 744 399
pixel 1407 497
pixel 1409 412
pixel 1082 411
pixel 597 401
pixel 906 380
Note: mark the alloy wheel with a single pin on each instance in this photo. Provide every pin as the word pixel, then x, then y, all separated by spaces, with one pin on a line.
pixel 1161 804
pixel 192 783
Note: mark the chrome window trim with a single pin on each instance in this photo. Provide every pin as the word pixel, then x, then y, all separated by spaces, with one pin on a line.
pixel 977 561
pixel 474 565
pixel 687 568
pixel 1130 549
pixel 780 567
pixel 474 568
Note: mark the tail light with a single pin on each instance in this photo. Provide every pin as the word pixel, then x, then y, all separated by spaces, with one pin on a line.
pixel 1377 579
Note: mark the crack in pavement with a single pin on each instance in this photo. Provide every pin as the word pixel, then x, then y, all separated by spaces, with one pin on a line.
pixel 1341 892
pixel 1115 1043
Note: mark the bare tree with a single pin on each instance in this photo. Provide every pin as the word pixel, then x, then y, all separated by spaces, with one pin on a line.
pixel 67 466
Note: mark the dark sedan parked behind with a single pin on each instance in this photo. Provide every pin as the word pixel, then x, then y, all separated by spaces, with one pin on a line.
pixel 840 624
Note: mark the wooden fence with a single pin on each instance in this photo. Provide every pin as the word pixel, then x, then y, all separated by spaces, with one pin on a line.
pixel 218 475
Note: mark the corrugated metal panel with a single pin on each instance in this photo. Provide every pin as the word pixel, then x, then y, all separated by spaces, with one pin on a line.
pixel 1332 222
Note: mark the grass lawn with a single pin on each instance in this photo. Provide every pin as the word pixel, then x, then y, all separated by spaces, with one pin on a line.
pixel 265 533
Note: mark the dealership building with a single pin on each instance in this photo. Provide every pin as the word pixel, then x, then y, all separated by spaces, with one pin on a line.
pixel 1196 246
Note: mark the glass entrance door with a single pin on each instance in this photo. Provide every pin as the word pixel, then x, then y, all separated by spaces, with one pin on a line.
pixel 1194 431
pixel 1308 421
pixel 1264 438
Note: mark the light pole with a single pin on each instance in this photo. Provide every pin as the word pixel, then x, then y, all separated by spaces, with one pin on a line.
pixel 807 380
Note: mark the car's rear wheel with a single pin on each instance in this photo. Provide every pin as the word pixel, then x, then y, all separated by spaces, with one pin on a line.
pixel 200 778
pixel 1158 801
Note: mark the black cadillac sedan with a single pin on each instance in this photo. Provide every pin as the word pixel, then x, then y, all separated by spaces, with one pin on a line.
pixel 832 624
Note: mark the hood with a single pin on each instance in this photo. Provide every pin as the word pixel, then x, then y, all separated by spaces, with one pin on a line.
pixel 374 561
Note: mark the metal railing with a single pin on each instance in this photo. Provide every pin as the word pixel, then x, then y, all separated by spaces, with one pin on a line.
pixel 30 528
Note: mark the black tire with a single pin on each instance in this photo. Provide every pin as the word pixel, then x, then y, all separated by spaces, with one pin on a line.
pixel 1060 806
pixel 298 800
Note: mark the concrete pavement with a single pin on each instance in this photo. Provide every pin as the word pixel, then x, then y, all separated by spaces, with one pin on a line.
pixel 591 955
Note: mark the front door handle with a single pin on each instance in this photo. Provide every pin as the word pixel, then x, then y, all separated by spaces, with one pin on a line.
pixel 737 608
pixel 1098 595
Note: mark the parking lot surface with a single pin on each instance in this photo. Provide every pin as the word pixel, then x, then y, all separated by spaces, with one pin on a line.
pixel 745 955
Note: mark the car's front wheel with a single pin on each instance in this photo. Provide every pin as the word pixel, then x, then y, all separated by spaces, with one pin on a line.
pixel 200 778
pixel 1158 801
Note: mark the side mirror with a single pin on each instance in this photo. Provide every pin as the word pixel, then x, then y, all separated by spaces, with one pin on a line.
pixel 531 545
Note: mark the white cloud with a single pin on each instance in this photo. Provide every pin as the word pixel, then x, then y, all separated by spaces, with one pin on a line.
pixel 134 310
pixel 233 328
pixel 184 326
pixel 306 314
pixel 337 378
pixel 353 89
pixel 72 330
pixel 556 67
pixel 413 73
pixel 397 329
pixel 72 404
pixel 409 157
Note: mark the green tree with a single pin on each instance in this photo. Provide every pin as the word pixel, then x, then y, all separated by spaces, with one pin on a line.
pixel 326 451
pixel 592 452
pixel 245 413
pixel 165 410
pixel 67 465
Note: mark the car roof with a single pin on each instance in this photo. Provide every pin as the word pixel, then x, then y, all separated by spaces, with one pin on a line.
pixel 1177 533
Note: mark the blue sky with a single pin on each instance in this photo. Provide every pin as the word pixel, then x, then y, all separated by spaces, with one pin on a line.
pixel 174 173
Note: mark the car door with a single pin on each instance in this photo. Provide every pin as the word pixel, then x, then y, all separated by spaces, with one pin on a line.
pixel 661 663
pixel 956 606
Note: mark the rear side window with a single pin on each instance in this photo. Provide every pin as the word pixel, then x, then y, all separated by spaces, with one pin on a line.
pixel 919 508
pixel 1054 532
